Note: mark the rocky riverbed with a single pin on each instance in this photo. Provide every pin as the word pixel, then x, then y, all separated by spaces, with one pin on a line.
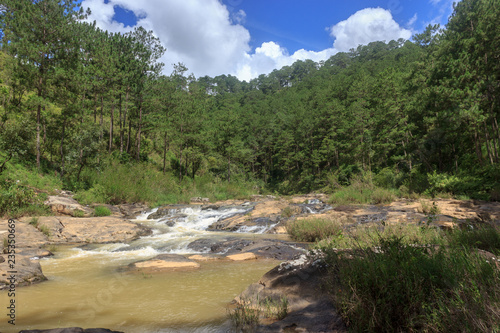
pixel 297 278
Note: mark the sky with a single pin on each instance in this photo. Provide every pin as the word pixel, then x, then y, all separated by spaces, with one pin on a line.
pixel 247 38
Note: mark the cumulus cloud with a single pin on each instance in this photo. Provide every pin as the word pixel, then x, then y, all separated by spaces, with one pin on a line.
pixel 365 26
pixel 210 40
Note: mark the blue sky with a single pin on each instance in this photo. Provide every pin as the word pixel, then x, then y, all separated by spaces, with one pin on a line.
pixel 247 38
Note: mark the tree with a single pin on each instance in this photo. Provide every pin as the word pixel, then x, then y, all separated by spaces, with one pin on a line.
pixel 37 35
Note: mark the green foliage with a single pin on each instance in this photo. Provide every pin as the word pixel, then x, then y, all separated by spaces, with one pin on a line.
pixel 401 288
pixel 78 213
pixel 96 194
pixel 17 200
pixel 244 316
pixel 362 191
pixel 275 308
pixel 370 236
pixel 102 211
pixel 119 183
pixel 311 230
pixel 482 236
pixel 420 116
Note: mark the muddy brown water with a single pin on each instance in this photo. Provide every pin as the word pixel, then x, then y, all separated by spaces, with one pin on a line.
pixel 86 287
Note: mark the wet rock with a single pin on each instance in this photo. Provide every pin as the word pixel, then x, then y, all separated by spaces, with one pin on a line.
pixel 164 262
pixel 27 272
pixel 67 206
pixel 210 207
pixel 71 330
pixel 170 210
pixel 262 248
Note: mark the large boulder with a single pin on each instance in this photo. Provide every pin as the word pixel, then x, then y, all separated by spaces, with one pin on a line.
pixel 299 280
pixel 65 229
pixel 28 272
pixel 67 206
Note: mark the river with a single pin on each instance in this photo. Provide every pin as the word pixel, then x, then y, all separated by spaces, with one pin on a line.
pixel 87 286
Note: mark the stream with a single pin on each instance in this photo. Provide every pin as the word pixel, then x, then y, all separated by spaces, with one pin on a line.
pixel 87 286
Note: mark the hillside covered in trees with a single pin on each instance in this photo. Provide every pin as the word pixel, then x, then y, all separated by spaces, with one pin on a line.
pixel 92 111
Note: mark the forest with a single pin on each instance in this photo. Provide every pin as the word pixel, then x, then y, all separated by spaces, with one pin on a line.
pixel 90 111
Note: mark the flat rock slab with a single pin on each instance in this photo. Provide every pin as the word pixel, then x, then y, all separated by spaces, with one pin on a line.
pixel 67 206
pixel 72 330
pixel 164 262
pixel 27 272
pixel 65 229
pixel 242 256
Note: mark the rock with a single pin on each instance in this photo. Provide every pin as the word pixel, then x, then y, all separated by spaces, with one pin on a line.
pixel 309 309
pixel 131 211
pixel 242 256
pixel 170 210
pixel 262 248
pixel 67 206
pixel 64 229
pixel 164 262
pixel 71 330
pixel 199 199
pixel 27 272
pixel 2 259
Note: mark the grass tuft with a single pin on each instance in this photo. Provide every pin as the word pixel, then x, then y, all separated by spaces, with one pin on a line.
pixel 102 211
pixel 311 230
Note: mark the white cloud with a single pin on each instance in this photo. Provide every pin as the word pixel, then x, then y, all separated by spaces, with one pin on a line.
pixel 365 26
pixel 209 40
pixel 412 21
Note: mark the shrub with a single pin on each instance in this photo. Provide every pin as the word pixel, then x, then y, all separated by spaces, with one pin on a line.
pixel 245 316
pixel 401 288
pixel 78 213
pixel 311 230
pixel 102 211
pixel 482 236
pixel 17 200
pixel 34 222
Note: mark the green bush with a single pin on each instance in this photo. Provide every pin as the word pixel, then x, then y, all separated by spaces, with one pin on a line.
pixel 102 211
pixel 17 200
pixel 400 288
pixel 482 236
pixel 311 230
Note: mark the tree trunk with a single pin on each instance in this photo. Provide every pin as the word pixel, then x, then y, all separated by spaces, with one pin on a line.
pixel 111 125
pixel 139 130
pixel 120 123
pixel 101 121
pixel 165 152
pixel 62 146
pixel 38 113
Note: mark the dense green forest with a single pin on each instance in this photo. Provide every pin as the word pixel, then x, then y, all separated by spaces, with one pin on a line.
pixel 82 106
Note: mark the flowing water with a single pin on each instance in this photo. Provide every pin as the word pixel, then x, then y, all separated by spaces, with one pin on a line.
pixel 87 288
